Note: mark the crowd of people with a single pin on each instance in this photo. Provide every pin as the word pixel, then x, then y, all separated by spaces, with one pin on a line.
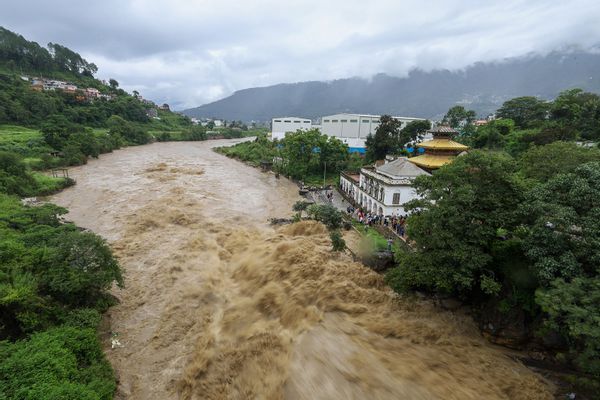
pixel 395 223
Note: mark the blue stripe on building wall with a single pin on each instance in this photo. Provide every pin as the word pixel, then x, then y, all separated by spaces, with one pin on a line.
pixel 359 150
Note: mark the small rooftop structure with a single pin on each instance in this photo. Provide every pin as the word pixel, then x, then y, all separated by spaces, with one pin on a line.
pixel 440 150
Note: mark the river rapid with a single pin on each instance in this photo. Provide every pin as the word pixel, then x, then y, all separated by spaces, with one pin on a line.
pixel 217 304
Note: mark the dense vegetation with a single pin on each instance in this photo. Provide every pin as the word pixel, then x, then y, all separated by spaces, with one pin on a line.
pixel 303 155
pixel 513 228
pixel 54 278
pixel 68 124
pixel 53 288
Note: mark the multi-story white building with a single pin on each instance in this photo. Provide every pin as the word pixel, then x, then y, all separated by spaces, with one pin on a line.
pixel 353 129
pixel 281 126
pixel 383 189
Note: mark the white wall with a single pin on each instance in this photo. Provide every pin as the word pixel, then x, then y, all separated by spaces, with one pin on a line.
pixel 283 125
pixel 374 204
pixel 353 129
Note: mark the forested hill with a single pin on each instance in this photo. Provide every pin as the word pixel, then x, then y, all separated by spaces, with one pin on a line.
pixel 51 104
pixel 482 87
pixel 17 53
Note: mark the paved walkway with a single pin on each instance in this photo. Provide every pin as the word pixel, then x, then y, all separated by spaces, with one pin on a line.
pixel 338 201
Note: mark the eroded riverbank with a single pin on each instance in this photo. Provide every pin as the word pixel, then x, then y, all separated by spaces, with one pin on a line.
pixel 220 305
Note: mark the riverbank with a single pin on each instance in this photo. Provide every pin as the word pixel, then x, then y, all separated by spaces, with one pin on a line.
pixel 214 294
pixel 537 351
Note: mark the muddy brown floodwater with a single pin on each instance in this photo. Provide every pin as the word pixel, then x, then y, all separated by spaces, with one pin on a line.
pixel 219 305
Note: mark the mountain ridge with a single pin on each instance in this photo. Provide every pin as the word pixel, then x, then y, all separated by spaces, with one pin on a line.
pixel 481 86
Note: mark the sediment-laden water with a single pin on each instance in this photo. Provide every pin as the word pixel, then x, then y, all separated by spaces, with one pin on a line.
pixel 219 305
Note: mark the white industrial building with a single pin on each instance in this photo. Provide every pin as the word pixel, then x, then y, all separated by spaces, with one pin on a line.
pixel 353 129
pixel 281 126
pixel 383 189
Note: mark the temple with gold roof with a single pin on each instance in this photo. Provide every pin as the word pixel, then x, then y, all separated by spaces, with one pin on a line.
pixel 440 150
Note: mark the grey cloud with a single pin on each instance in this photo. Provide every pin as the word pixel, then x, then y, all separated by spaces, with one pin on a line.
pixel 190 52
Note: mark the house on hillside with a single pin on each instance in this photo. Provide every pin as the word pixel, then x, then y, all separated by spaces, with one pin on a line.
pixel 164 107
pixel 91 93
pixel 382 189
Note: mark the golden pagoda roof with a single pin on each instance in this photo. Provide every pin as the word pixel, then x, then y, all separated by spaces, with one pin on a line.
pixel 443 144
pixel 431 161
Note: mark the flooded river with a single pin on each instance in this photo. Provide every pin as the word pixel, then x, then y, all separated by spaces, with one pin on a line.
pixel 219 305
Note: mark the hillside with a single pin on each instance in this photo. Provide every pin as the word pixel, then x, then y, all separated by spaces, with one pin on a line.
pixel 482 87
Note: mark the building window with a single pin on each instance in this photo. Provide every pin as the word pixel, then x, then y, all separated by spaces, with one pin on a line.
pixel 307 122
pixel 277 120
pixel 365 121
pixel 334 120
pixel 396 199
pixel 287 121
pixel 343 120
pixel 325 120
pixel 354 120
pixel 297 122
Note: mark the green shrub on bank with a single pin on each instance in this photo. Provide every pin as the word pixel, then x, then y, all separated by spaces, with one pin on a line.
pixel 337 241
pixel 61 363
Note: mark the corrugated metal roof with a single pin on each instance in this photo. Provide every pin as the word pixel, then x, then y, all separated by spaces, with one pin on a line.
pixel 400 167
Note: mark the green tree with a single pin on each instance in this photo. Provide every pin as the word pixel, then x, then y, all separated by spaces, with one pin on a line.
pixel 572 310
pixel 413 131
pixel 563 240
pixel 492 135
pixel 456 224
pixel 543 162
pixel 308 152
pixel 327 214
pixel 61 363
pixel 385 140
pixel 458 117
pixel 578 110
pixel 337 241
pixel 526 111
pixel 57 129
pixel 14 178
pixel 113 83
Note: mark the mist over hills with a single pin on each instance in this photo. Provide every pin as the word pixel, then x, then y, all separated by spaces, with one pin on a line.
pixel 482 87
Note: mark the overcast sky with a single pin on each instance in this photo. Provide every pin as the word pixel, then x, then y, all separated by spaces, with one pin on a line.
pixel 190 52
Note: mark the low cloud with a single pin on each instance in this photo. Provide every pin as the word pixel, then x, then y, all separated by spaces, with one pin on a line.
pixel 187 53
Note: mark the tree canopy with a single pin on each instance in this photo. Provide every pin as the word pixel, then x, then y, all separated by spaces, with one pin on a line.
pixel 526 111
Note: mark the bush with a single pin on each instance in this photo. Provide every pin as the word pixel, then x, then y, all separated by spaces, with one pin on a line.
pixel 326 214
pixel 14 178
pixel 61 363
pixel 337 241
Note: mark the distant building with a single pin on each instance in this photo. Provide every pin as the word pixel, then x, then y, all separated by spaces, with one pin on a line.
pixel 217 122
pixel 353 129
pixel 152 113
pixel 164 107
pixel 282 125
pixel 91 93
pixel 382 189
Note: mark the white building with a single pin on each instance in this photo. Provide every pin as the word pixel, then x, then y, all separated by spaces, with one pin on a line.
pixel 353 129
pixel 383 189
pixel 281 126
